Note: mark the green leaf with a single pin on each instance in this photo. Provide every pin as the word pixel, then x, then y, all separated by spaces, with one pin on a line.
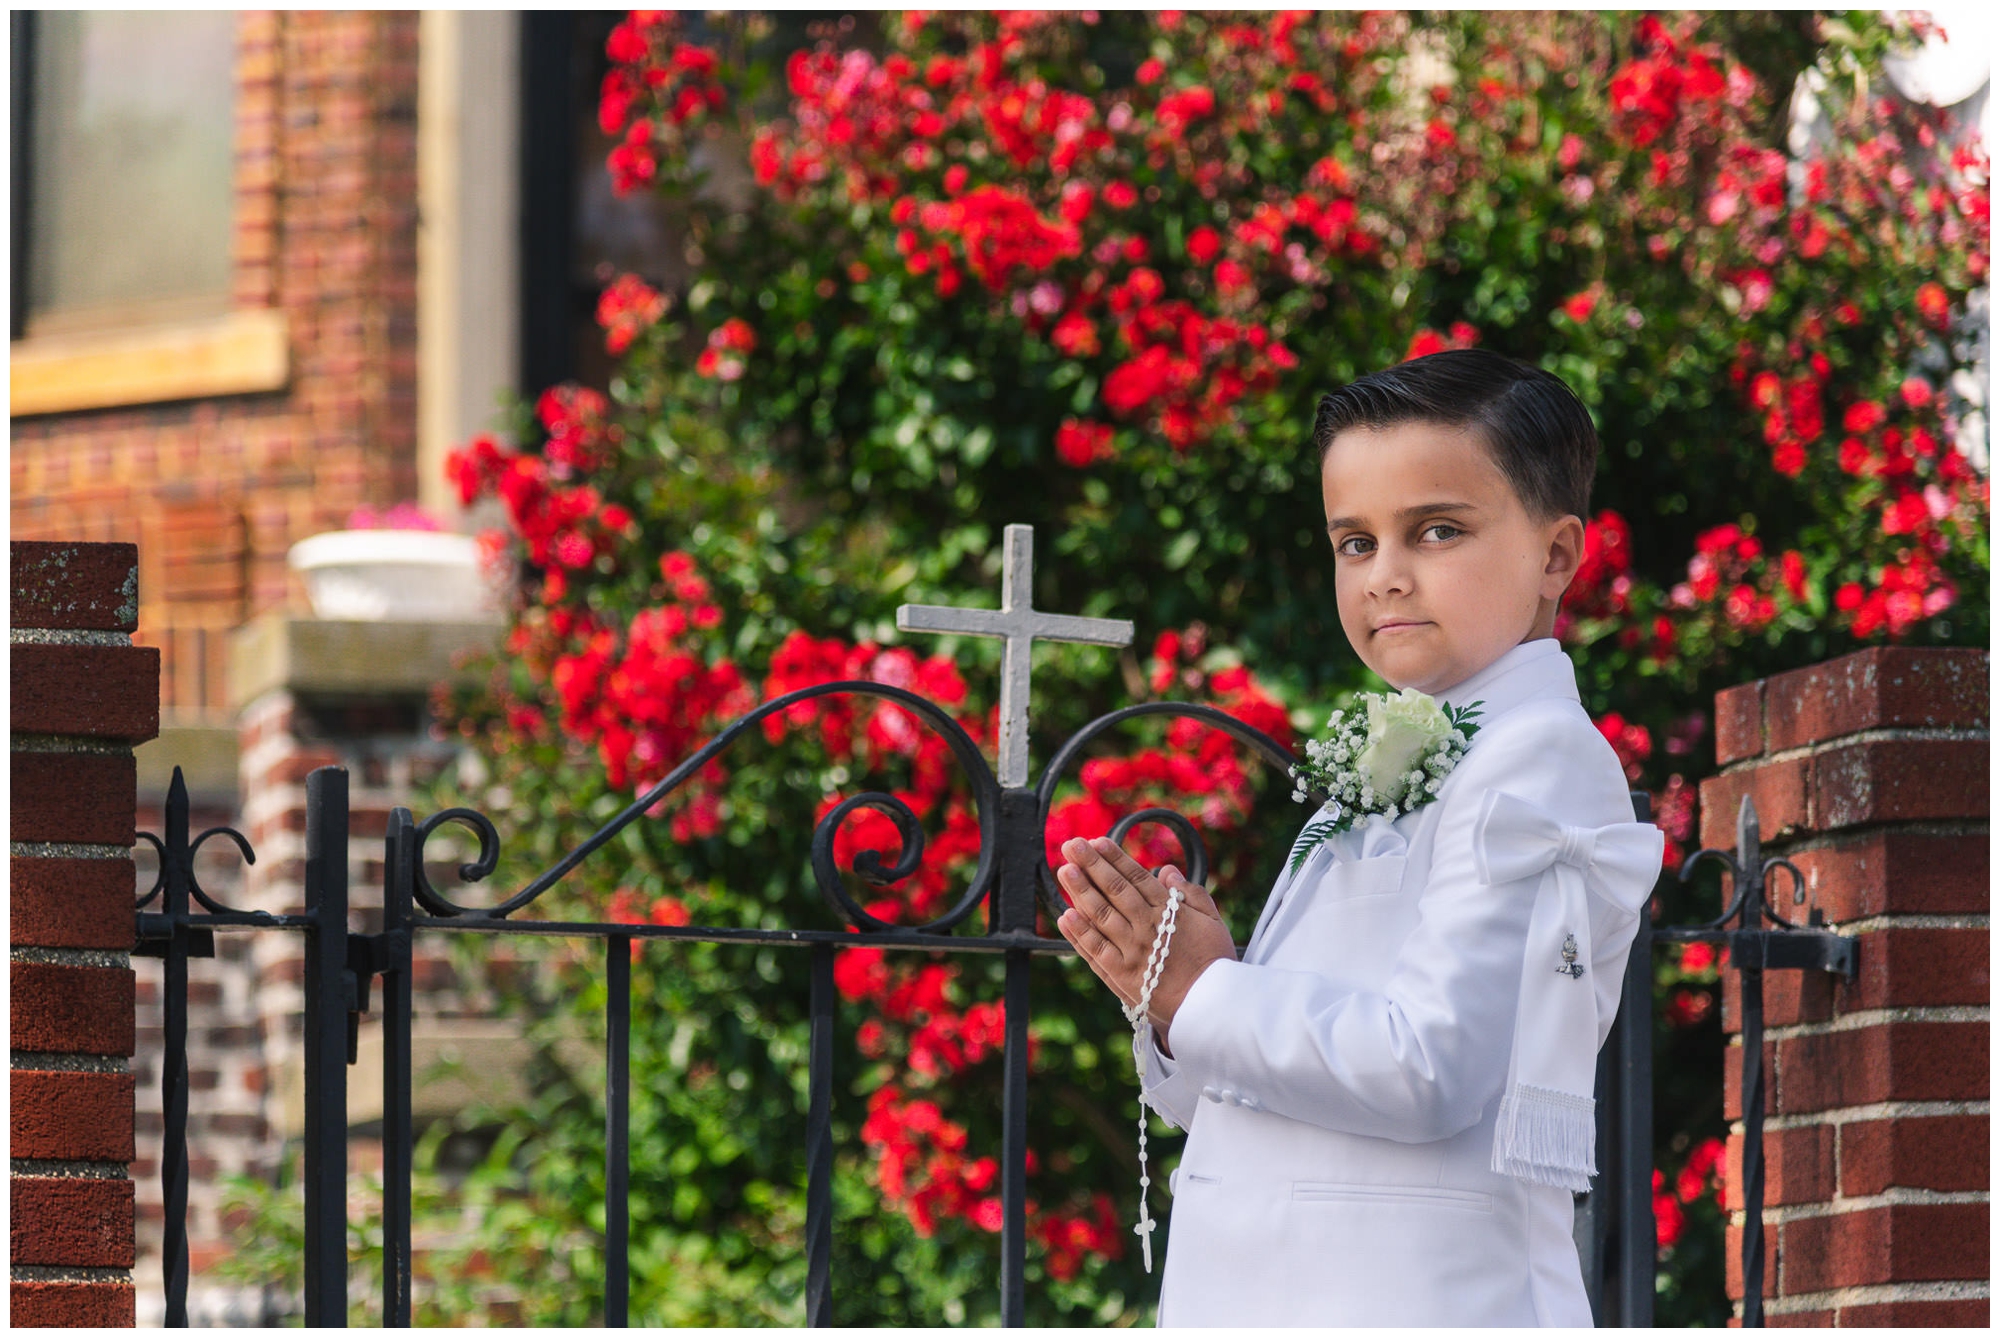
pixel 1313 835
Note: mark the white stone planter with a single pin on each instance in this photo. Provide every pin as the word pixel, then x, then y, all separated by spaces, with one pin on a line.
pixel 394 576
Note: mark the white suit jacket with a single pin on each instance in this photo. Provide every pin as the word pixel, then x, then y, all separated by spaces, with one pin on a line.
pixel 1340 1084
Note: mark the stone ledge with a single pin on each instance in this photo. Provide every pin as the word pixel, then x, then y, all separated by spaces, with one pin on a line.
pixel 206 755
pixel 455 1063
pixel 278 651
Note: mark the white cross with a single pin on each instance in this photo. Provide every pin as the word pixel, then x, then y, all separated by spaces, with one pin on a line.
pixel 1021 626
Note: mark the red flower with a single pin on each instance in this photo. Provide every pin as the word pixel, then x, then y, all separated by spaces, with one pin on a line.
pixel 475 467
pixel 734 335
pixel 1001 232
pixel 1083 443
pixel 1203 243
pixel 1179 108
pixel 614 101
pixel 627 43
pixel 1632 742
pixel 627 308
pixel 1120 195
pixel 1149 73
pixel 1688 1008
pixel 1231 277
pixel 1579 306
pixel 1793 567
pixel 1425 343
pixel 1934 304
pixel 1907 514
pixel 1075 335
pixel 632 163
pixel 1703 1163
pixel 1668 1220
pixel 1916 392
pixel 1863 416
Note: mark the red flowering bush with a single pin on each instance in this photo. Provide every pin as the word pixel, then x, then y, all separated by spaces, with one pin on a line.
pixel 1090 272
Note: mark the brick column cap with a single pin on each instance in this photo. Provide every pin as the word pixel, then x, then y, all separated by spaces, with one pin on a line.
pixel 1881 687
pixel 74 586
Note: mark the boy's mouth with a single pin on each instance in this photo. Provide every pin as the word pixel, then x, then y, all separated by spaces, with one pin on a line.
pixel 1398 625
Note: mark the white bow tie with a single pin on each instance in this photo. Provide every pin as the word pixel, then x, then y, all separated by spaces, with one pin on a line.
pixel 1547 1130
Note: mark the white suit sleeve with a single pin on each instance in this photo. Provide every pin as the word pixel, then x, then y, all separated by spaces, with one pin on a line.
pixel 1170 1088
pixel 1421 1058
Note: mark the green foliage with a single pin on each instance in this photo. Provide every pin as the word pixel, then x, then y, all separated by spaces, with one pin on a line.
pixel 869 376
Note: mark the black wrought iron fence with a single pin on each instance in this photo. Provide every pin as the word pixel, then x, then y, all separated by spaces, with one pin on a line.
pixel 1011 876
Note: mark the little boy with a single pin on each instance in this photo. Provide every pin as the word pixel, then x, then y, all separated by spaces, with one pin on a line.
pixel 1388 1098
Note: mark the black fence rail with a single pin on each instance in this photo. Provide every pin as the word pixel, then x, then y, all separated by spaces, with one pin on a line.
pixel 1614 1226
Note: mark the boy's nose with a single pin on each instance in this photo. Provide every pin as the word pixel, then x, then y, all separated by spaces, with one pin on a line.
pixel 1388 576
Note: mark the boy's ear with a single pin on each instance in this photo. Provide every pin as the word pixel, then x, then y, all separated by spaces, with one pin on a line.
pixel 1565 556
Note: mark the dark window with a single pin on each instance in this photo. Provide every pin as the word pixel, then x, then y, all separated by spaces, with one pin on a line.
pixel 576 235
pixel 124 166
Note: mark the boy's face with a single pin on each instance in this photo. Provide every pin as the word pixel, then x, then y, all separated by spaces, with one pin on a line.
pixel 1438 567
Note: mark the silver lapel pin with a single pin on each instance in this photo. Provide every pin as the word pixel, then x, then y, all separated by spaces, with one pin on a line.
pixel 1569 966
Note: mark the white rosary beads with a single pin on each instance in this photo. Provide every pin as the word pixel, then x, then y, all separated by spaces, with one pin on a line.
pixel 1156 963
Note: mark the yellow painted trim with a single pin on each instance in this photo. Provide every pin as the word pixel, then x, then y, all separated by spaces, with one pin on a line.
pixel 234 354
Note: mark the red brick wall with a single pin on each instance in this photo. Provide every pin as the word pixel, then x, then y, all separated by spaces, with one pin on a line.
pixel 1870 773
pixel 215 491
pixel 83 695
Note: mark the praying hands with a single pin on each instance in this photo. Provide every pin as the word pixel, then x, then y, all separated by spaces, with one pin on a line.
pixel 1115 911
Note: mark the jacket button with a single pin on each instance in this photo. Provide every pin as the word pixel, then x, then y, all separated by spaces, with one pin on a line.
pixel 1229 1094
pixel 1212 1093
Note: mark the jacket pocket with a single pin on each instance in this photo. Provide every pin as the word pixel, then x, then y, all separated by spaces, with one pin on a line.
pixel 1356 880
pixel 1427 1196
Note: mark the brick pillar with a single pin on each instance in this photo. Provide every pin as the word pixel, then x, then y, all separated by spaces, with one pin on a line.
pixel 83 695
pixel 1870 773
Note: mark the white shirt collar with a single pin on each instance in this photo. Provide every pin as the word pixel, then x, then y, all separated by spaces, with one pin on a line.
pixel 1537 668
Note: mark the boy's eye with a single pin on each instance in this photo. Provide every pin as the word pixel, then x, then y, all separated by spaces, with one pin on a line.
pixel 1449 535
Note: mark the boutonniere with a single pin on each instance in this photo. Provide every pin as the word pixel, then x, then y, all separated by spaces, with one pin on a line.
pixel 1387 755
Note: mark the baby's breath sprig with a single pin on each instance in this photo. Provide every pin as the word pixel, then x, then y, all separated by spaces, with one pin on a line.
pixel 1388 755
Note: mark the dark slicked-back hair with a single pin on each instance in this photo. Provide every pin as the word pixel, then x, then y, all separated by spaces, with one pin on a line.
pixel 1539 432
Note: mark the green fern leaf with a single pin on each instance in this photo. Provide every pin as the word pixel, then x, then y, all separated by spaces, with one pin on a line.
pixel 1312 836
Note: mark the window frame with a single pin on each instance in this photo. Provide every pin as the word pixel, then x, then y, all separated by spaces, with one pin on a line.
pixel 144 353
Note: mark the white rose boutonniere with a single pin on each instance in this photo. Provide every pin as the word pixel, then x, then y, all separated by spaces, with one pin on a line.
pixel 1389 755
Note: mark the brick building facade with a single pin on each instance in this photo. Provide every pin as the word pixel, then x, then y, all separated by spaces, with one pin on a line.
pixel 215 489
pixel 207 446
